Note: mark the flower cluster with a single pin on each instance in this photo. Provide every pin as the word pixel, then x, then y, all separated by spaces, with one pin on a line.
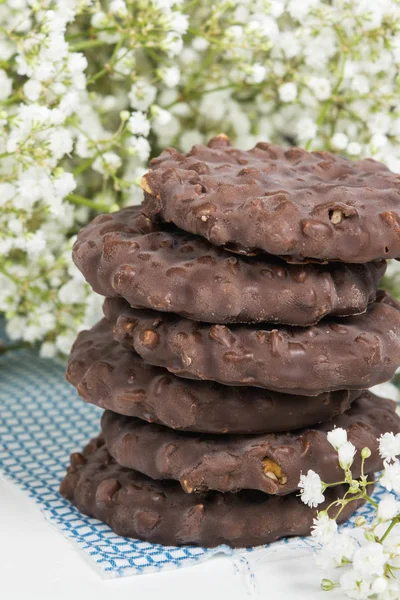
pixel 369 556
pixel 91 89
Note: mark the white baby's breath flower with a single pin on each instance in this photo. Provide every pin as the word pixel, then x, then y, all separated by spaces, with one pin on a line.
pixel 311 489
pixel 160 116
pixel 170 76
pixel 340 141
pixel 119 8
pixel 139 146
pixel 173 44
pixel 346 454
pixel 321 87
pixel 142 94
pixel 139 124
pixel 354 149
pixel 324 528
pixel 389 446
pixel 337 437
pixel 32 89
pixel 369 560
pixel 388 508
pixel 109 162
pixel 288 92
pixel 256 73
pixel 355 586
pixel 178 22
pixel 379 585
pixel 391 477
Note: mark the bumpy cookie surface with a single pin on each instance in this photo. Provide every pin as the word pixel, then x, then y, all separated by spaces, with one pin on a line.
pixel 353 353
pixel 271 463
pixel 292 203
pixel 110 376
pixel 160 512
pixel 126 255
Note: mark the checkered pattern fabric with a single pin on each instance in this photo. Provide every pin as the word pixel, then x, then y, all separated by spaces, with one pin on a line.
pixel 42 421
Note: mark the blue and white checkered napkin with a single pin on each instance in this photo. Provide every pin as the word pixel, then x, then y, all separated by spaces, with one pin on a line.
pixel 42 421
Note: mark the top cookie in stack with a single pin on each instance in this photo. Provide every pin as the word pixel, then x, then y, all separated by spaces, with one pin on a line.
pixel 241 311
pixel 292 203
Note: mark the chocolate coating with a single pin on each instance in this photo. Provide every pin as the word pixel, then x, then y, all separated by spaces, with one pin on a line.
pixel 110 376
pixel 353 353
pixel 291 203
pixel 160 512
pixel 125 254
pixel 271 463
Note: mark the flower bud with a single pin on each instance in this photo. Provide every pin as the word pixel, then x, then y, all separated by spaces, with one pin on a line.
pixel 365 452
pixel 124 115
pixel 360 521
pixel 370 536
pixel 327 585
pixel 354 486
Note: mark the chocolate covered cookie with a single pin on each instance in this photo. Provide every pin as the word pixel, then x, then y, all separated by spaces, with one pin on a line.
pixel 117 379
pixel 271 463
pixel 126 255
pixel 289 202
pixel 160 512
pixel 353 353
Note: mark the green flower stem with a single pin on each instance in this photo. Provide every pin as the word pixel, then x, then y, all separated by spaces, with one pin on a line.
pixel 86 44
pixel 83 166
pixel 389 529
pixel 369 499
pixel 113 60
pixel 10 347
pixel 82 201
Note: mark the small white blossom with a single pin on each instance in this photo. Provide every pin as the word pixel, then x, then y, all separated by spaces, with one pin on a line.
pixel 354 586
pixel 32 89
pixel 288 92
pixel 306 129
pixel 389 446
pixel 354 149
pixel 311 489
pixel 388 508
pixel 379 585
pixel 142 94
pixel 200 44
pixel 369 559
pixel 178 22
pixel 138 123
pixel 160 116
pixel 190 138
pixel 119 8
pixel 346 454
pixel 391 477
pixel 337 437
pixel 256 73
pixel 340 141
pixel 321 87
pixel 139 146
pixel 170 76
pixel 324 528
pixel 173 44
pixel 109 162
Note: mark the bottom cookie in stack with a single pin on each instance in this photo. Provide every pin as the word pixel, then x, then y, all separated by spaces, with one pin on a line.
pixel 161 512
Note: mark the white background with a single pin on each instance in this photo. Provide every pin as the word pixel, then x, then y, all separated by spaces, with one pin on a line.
pixel 38 563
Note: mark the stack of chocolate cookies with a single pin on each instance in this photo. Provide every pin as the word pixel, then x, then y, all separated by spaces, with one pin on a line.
pixel 242 322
